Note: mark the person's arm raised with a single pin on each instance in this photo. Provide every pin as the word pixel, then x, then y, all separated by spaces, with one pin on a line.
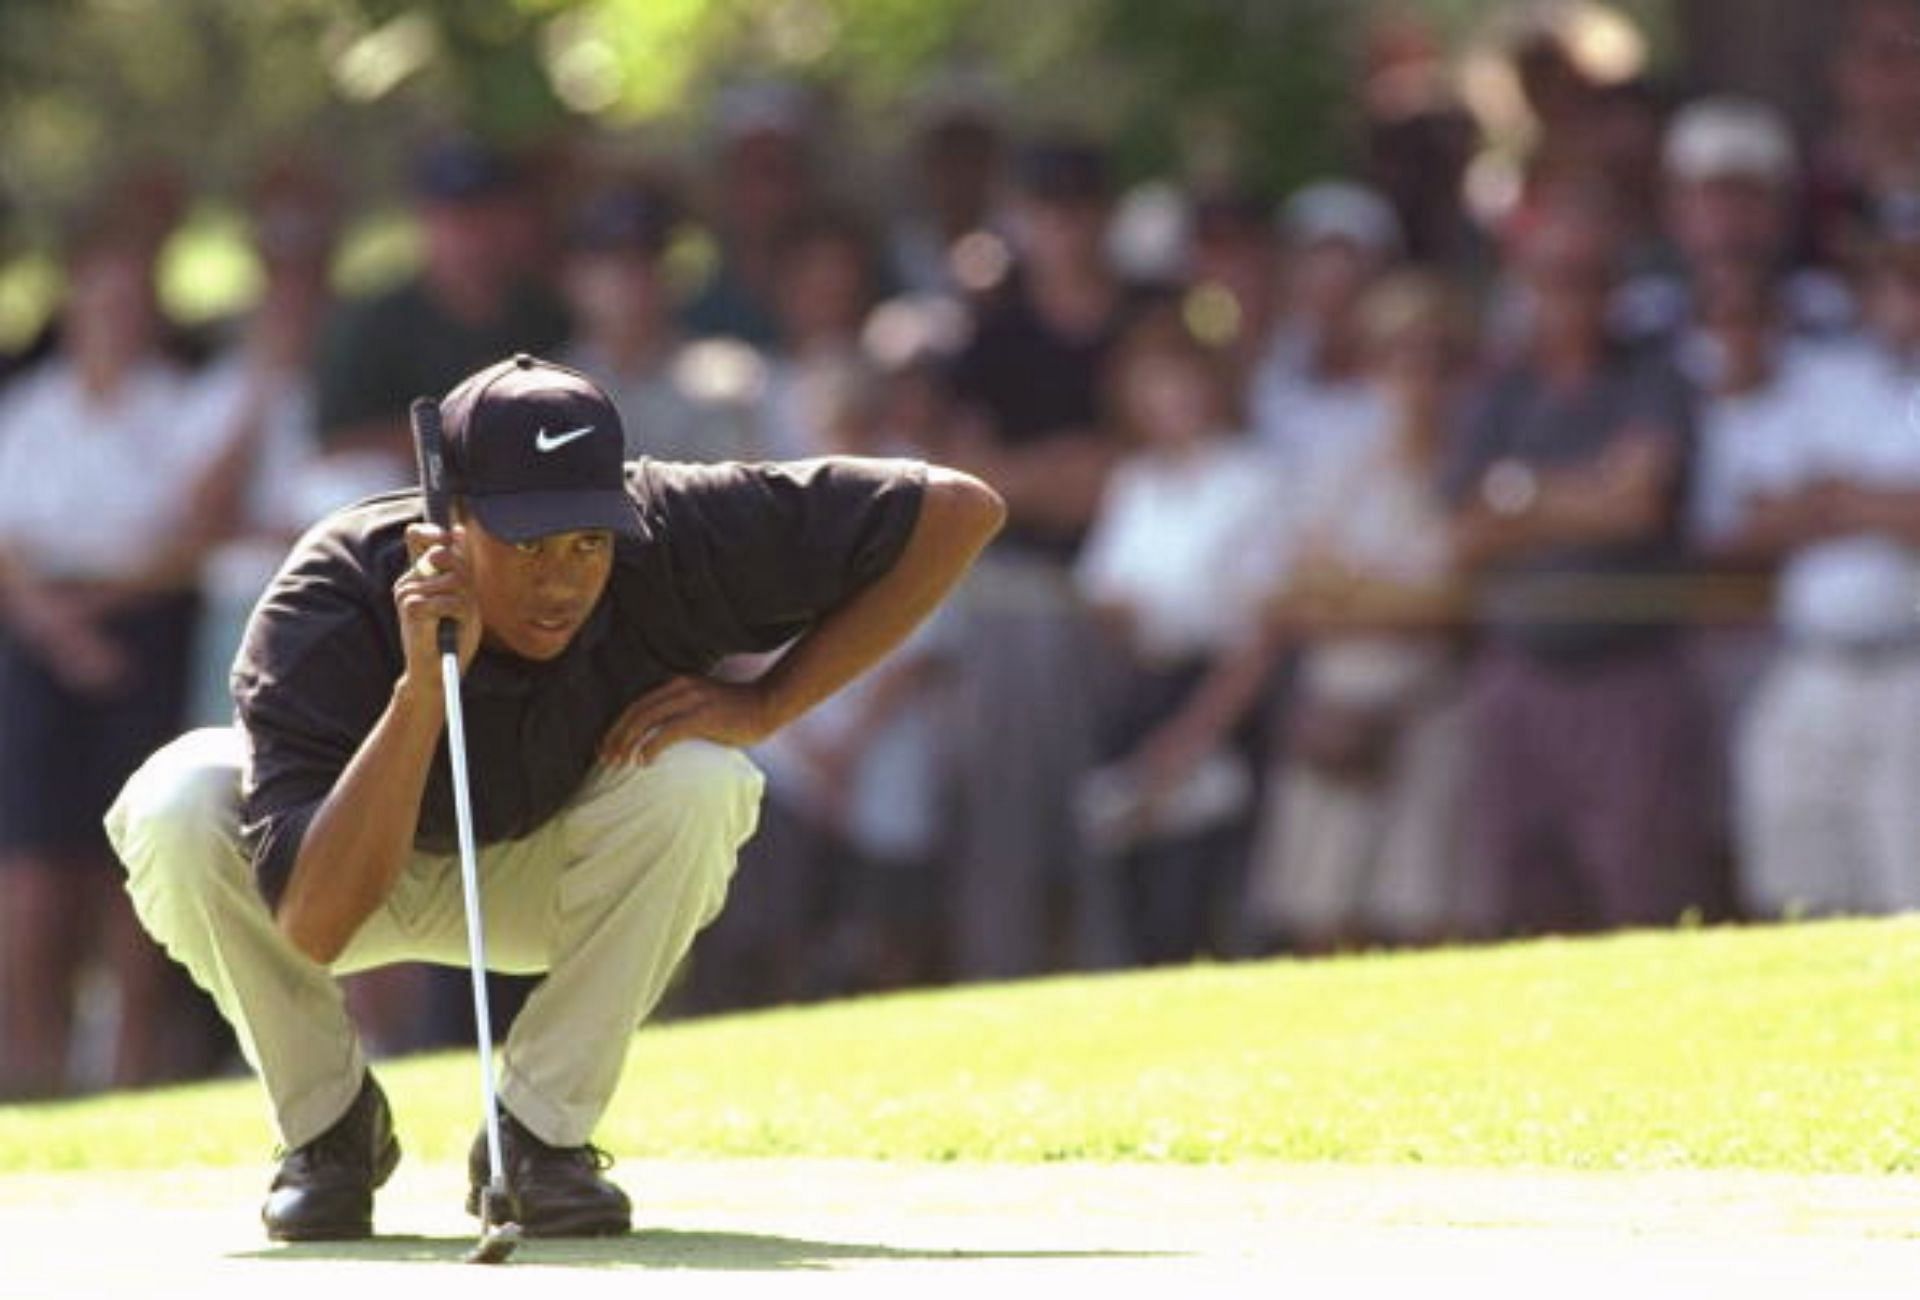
pixel 362 834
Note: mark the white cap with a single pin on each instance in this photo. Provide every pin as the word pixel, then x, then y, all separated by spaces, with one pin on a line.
pixel 1727 138
pixel 1337 209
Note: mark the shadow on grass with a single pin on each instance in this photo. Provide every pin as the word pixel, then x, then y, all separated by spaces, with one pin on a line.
pixel 660 1249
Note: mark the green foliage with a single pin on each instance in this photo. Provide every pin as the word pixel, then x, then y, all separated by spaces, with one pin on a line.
pixel 214 84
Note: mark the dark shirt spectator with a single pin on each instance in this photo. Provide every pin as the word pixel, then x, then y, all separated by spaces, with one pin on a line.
pixel 1591 761
pixel 468 305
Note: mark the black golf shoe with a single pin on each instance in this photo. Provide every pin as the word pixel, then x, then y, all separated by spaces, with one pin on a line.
pixel 556 1191
pixel 324 1190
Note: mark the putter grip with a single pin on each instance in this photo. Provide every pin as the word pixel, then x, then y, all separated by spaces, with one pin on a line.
pixel 429 453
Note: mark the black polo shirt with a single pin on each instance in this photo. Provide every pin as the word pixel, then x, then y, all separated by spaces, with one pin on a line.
pixel 734 559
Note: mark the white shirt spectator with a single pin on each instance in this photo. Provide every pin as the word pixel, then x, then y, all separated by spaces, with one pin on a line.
pixel 1756 443
pixel 93 489
pixel 278 489
pixel 1299 416
pixel 1863 589
pixel 1187 545
pixel 1380 515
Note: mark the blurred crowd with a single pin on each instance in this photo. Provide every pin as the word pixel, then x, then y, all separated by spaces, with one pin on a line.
pixel 1386 565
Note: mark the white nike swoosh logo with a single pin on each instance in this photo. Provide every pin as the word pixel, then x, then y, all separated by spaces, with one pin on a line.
pixel 554 442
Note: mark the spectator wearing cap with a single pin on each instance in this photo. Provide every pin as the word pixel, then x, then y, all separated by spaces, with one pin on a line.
pixel 100 543
pixel 1233 276
pixel 1310 391
pixel 1830 756
pixel 1732 189
pixel 469 302
pixel 1033 370
pixel 763 180
pixel 1589 751
pixel 682 401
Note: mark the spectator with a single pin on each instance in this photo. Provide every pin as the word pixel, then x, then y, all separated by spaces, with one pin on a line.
pixel 1828 762
pixel 468 306
pixel 1172 569
pixel 846 889
pixel 257 393
pixel 1732 177
pixel 1760 392
pixel 1590 751
pixel 1567 58
pixel 1310 390
pixel 679 401
pixel 1418 139
pixel 1362 838
pixel 1233 278
pixel 1025 901
pixel 1868 151
pixel 952 217
pixel 99 544
pixel 763 183
pixel 824 287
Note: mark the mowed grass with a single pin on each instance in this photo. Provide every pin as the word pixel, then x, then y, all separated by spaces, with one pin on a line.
pixel 1793 1048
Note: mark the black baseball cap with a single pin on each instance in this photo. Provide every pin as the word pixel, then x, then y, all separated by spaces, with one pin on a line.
pixel 535 449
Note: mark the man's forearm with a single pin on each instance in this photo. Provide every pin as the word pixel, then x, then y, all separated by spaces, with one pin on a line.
pixel 361 837
pixel 958 516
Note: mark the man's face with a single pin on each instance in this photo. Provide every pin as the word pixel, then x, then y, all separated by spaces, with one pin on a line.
pixel 534 596
pixel 615 292
pixel 1567 266
pixel 1064 232
pixel 1738 217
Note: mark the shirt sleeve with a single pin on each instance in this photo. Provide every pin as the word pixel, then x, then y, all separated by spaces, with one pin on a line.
pixel 758 552
pixel 306 701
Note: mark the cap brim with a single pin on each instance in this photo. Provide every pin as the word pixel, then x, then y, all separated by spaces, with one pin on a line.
pixel 524 516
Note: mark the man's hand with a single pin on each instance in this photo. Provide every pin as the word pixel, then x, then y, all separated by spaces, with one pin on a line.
pixel 437 585
pixel 63 630
pixel 689 708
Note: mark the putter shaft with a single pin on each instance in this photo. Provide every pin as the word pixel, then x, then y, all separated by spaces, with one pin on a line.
pixel 477 958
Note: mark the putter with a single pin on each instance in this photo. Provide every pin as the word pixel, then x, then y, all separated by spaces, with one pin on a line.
pixel 499 1225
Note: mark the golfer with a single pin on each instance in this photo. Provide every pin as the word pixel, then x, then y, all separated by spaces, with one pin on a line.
pixel 594 599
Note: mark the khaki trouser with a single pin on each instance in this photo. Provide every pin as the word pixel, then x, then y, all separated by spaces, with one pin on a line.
pixel 606 898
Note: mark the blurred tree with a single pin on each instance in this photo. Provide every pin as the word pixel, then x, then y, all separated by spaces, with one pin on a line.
pixel 87 87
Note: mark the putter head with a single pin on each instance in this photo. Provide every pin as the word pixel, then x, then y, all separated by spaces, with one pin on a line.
pixel 499 1225
pixel 495 1245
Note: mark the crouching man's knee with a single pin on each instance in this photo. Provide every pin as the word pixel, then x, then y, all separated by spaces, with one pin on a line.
pixel 176 825
pixel 683 817
pixel 711 783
